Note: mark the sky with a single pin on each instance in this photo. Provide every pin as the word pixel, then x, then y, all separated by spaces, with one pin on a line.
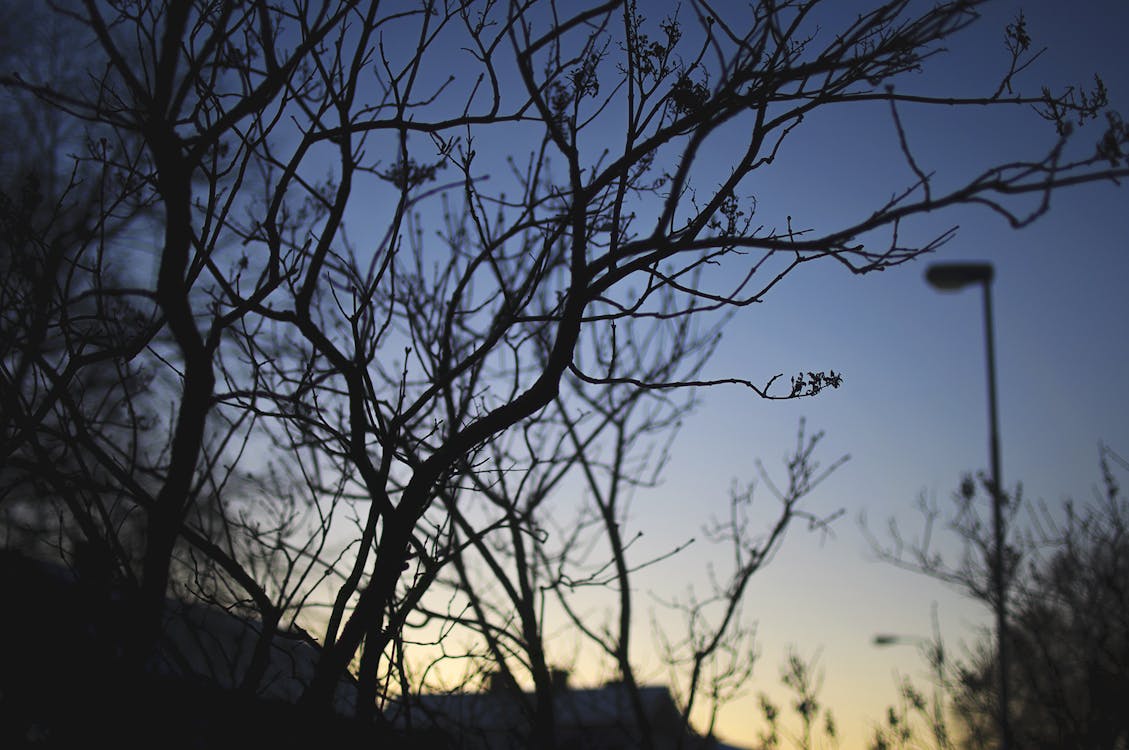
pixel 912 412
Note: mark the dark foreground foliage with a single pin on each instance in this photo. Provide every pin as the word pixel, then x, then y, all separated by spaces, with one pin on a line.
pixel 65 682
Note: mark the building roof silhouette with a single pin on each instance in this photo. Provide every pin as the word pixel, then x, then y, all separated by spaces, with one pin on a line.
pixel 599 718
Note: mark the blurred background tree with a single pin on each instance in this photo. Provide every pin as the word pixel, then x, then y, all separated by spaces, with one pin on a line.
pixel 1068 625
pixel 1068 619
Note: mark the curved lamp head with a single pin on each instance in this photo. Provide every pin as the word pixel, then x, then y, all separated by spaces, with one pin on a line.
pixel 950 277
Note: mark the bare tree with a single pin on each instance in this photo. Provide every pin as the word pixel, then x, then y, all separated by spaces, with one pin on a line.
pixel 718 649
pixel 1068 625
pixel 391 239
pixel 1067 615
pixel 518 550
pixel 69 327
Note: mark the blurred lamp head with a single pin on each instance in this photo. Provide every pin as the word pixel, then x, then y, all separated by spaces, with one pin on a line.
pixel 949 277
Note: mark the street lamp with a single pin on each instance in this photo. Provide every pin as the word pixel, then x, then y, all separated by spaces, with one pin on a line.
pixel 953 277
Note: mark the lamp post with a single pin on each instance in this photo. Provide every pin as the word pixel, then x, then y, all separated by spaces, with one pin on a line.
pixel 953 277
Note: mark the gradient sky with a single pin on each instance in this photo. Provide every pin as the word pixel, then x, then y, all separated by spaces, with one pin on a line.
pixel 912 412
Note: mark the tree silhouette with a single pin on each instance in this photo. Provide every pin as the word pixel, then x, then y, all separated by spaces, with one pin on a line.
pixel 1068 626
pixel 386 241
pixel 1066 608
pixel 67 337
pixel 803 679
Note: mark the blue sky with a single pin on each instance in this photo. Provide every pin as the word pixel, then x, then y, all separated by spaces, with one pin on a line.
pixel 912 412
